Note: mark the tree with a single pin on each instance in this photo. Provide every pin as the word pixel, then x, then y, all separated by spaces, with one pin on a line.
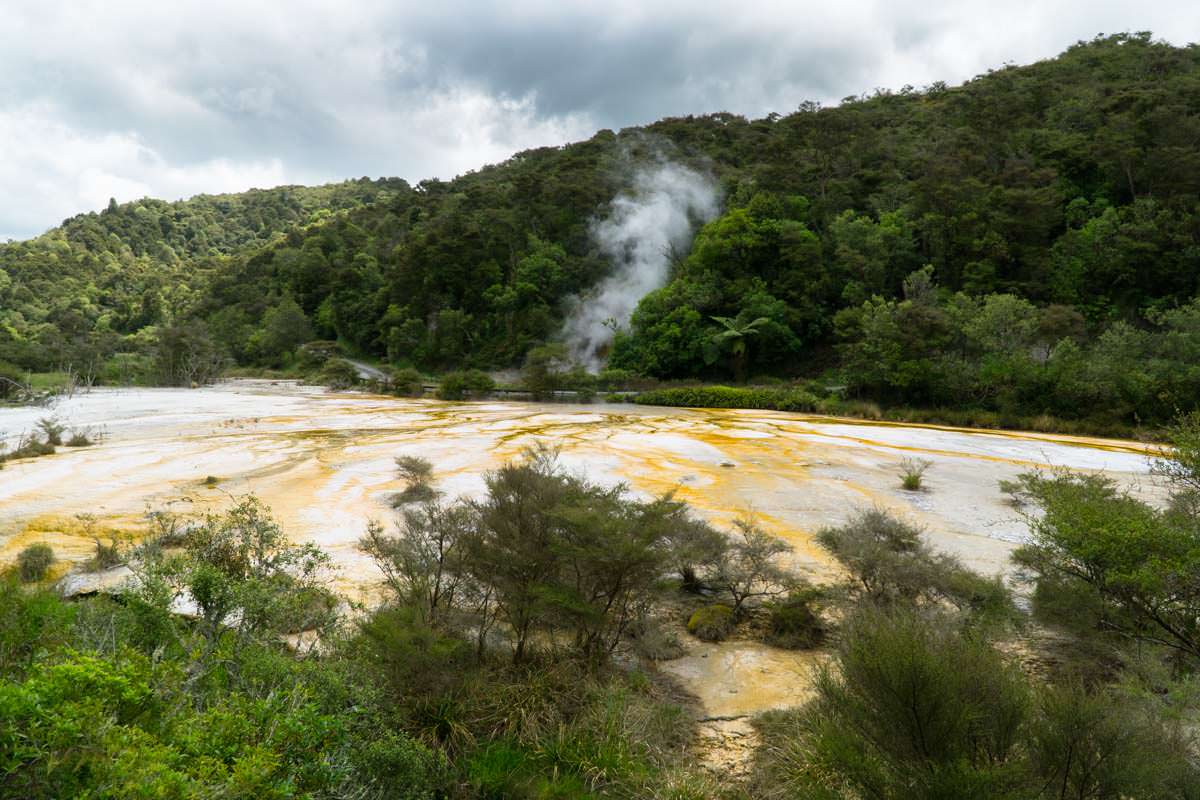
pixel 544 370
pixel 1134 563
pixel 735 335
pixel 417 474
pixel 512 548
pixel 547 552
pixel 284 328
pixel 186 354
pixel 422 564
pixel 750 567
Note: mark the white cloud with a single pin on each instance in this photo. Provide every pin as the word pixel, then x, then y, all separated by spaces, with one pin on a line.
pixel 57 171
pixel 127 98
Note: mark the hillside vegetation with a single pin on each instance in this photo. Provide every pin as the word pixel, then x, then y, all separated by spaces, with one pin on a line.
pixel 1028 242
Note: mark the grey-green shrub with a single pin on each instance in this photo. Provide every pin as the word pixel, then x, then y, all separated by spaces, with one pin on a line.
pixel 34 562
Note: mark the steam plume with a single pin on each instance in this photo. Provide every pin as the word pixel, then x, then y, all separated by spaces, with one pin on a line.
pixel 648 223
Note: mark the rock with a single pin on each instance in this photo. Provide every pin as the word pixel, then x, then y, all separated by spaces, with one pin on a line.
pixel 77 584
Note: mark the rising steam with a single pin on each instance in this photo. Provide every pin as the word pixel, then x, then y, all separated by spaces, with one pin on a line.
pixel 648 223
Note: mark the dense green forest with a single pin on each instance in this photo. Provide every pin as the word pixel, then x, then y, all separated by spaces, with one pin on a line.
pixel 1028 242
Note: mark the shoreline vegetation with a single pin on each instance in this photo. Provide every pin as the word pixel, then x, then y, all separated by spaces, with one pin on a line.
pixel 512 653
pixel 811 398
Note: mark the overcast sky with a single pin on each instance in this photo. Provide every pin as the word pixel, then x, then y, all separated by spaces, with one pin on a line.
pixel 172 98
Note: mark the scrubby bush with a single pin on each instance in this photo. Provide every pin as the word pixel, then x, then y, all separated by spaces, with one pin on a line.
pixel 34 562
pixel 916 705
pixel 337 373
pixel 748 570
pixel 788 399
pixel 1108 563
pixel 712 623
pixel 12 381
pixel 28 447
pixel 407 382
pixel 794 622
pixel 417 475
pixel 313 355
pixel 912 473
pixel 478 382
pixel 889 565
pixel 462 385
pixel 79 438
pixel 106 554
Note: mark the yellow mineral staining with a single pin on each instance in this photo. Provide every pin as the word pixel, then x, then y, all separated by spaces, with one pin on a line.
pixel 324 463
pixel 70 537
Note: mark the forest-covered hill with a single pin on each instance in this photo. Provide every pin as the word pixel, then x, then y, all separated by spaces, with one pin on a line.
pixel 1028 240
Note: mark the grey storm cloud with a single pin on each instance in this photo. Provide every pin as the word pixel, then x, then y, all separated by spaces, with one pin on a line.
pixel 126 99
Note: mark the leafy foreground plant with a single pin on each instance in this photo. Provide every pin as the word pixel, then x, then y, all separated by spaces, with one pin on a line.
pixel 94 702
pixel 1108 565
pixel 916 706
pixel 127 697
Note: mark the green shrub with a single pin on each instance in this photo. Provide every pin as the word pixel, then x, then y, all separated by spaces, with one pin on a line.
pixel 34 562
pixel 12 381
pixel 408 382
pixel 794 622
pixel 479 382
pixel 452 386
pixel 711 623
pixel 79 439
pixel 777 399
pixel 313 355
pixel 30 448
pixel 461 385
pixel 338 374
pixel 889 564
pixel 52 429
pixel 400 767
pixel 107 554
pixel 912 473
pixel 33 621
pixel 911 709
